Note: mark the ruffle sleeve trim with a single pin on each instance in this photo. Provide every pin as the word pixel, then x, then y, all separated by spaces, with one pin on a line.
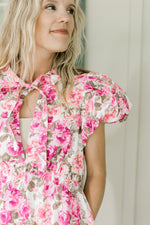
pixel 103 101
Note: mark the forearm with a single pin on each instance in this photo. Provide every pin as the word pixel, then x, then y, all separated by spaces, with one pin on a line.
pixel 94 190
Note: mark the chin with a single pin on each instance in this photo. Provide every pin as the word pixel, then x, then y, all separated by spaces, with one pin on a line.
pixel 61 50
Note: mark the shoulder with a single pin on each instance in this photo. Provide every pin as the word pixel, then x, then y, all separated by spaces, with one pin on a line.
pixel 87 75
pixel 7 83
pixel 104 96
pixel 3 77
pixel 85 72
pixel 96 81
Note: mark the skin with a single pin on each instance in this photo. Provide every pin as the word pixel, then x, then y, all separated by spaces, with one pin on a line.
pixel 54 15
pixel 96 168
pixel 58 15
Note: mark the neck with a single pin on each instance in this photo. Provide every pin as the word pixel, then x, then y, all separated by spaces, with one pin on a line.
pixel 43 64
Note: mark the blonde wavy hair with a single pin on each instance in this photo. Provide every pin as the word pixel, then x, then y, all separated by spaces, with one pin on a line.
pixel 17 43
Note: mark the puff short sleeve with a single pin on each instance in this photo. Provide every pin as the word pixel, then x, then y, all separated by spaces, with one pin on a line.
pixel 103 101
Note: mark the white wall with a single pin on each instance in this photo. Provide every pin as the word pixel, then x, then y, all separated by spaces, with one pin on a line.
pixel 2 8
pixel 119 44
pixel 143 169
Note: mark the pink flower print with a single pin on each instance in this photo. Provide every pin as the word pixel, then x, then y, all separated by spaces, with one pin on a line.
pixel 51 94
pixel 45 215
pixel 4 115
pixel 77 98
pixel 47 176
pixel 66 195
pixel 105 90
pixel 11 150
pixel 91 78
pixel 35 125
pixel 108 116
pixel 88 128
pixel 19 177
pixel 2 93
pixel 51 152
pixel 12 197
pixel 100 92
pixel 56 180
pixel 24 209
pixel 43 138
pixel 61 135
pixel 33 150
pixel 5 216
pixel 77 163
pixel 123 105
pixel 113 91
pixel 5 168
pixel 2 123
pixel 63 170
pixel 3 177
pixel 89 86
pixel 21 160
pixel 106 79
pixel 117 87
pixel 64 218
pixel 6 105
pixel 122 116
pixel 76 118
pixel 75 208
pixel 53 110
pixel 50 189
pixel 38 115
pixel 89 124
pixel 113 101
pixel 50 119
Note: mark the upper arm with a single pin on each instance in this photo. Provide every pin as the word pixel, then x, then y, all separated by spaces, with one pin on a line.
pixel 95 152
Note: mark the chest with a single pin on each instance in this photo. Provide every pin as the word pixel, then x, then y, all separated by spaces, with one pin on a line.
pixel 53 129
pixel 28 106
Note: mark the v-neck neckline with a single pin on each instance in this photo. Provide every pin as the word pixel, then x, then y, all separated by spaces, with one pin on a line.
pixel 19 140
pixel 36 124
pixel 35 129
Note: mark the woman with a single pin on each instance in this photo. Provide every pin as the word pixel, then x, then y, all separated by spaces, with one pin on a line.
pixel 41 174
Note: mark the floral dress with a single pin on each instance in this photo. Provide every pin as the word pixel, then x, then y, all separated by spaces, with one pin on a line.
pixel 43 186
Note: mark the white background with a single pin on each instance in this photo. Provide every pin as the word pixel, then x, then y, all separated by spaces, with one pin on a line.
pixel 119 46
pixel 118 33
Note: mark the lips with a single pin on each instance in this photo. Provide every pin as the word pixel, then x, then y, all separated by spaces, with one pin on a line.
pixel 60 31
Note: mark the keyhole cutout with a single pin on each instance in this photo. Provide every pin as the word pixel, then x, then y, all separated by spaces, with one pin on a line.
pixel 29 103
